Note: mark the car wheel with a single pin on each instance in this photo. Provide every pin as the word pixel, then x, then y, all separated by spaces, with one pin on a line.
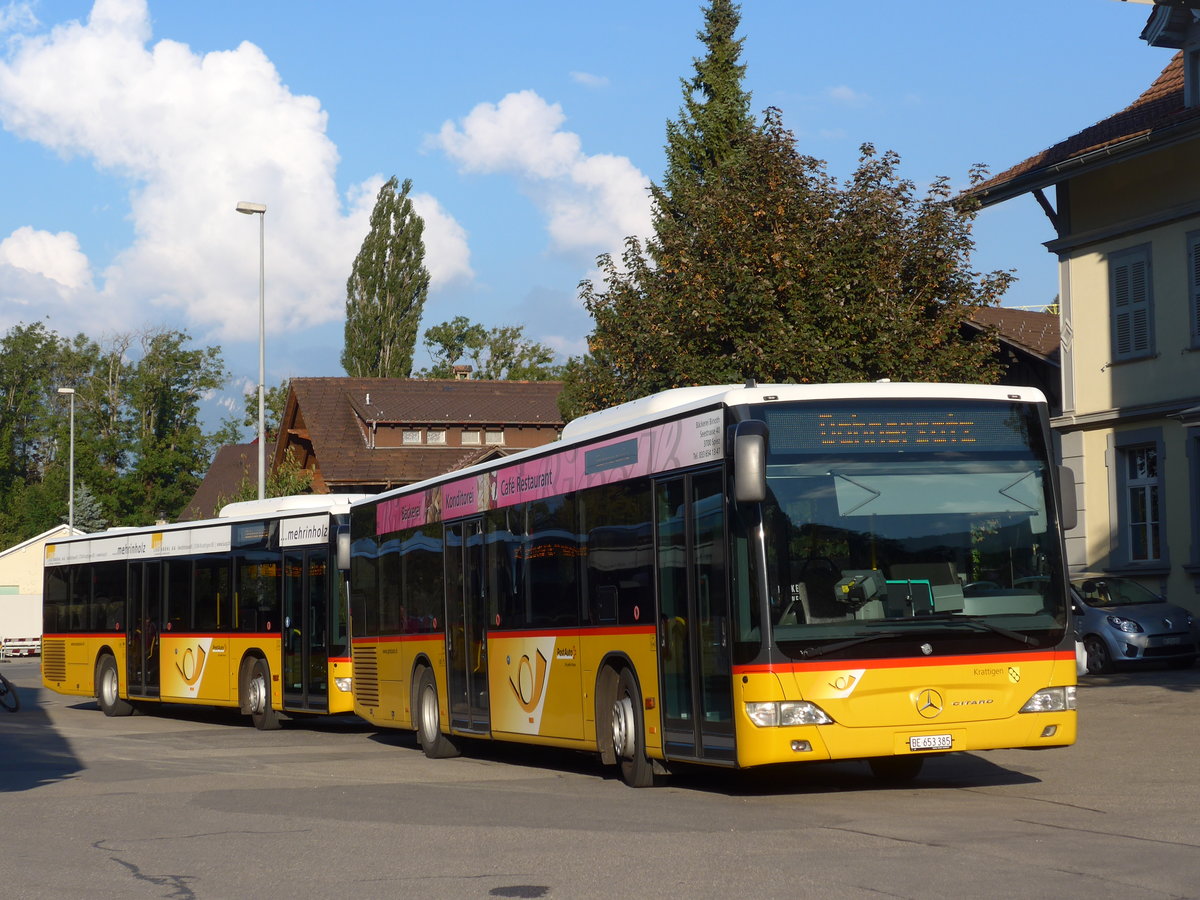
pixel 1099 660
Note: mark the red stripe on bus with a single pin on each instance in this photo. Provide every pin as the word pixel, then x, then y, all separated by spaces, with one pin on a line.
pixel 830 665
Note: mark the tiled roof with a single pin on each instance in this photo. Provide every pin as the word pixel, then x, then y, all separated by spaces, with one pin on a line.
pixel 335 411
pixel 1035 332
pixel 232 464
pixel 1156 115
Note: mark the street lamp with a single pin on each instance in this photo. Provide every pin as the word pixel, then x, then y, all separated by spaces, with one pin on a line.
pixel 260 210
pixel 70 392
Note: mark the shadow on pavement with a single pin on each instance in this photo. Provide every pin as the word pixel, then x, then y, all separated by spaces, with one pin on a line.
pixel 31 751
pixel 950 771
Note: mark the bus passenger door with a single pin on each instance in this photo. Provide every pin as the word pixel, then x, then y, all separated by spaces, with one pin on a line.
pixel 466 631
pixel 143 617
pixel 694 637
pixel 305 630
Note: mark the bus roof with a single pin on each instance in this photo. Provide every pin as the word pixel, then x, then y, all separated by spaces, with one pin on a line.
pixel 679 401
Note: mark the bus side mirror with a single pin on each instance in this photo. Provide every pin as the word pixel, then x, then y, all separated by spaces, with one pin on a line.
pixel 343 548
pixel 750 461
pixel 1067 502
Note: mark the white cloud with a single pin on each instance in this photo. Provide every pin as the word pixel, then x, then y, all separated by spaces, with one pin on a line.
pixel 196 133
pixel 447 254
pixel 53 256
pixel 847 95
pixel 591 202
pixel 17 17
pixel 587 79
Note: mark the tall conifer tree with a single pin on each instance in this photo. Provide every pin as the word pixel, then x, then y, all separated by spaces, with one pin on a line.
pixel 386 291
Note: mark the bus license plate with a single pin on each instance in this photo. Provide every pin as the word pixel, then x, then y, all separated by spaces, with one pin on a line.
pixel 930 742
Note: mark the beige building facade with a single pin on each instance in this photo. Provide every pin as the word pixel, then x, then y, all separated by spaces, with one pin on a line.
pixel 1126 220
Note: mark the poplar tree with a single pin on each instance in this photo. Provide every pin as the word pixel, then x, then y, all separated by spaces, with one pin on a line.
pixel 386 291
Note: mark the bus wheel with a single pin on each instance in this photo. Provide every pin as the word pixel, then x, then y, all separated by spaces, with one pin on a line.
pixel 429 727
pixel 896 769
pixel 108 688
pixel 629 742
pixel 258 697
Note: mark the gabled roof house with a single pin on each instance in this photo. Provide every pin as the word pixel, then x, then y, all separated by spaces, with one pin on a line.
pixel 363 435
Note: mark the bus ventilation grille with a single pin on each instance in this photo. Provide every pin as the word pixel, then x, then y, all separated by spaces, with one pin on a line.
pixel 366 676
pixel 54 660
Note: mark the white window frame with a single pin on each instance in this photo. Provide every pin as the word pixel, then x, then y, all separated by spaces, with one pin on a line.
pixel 411 436
pixel 471 438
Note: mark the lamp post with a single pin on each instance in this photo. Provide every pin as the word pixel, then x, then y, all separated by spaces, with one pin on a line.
pixel 260 210
pixel 70 392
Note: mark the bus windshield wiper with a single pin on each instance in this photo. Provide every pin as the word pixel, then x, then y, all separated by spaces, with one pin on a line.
pixel 980 622
pixel 861 637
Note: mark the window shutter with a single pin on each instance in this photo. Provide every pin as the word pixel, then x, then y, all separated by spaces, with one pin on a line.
pixel 1131 307
pixel 1194 284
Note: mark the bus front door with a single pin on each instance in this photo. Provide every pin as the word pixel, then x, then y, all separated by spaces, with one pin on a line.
pixel 694 638
pixel 466 631
pixel 143 618
pixel 305 630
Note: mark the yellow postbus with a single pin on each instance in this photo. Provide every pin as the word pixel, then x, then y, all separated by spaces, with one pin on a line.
pixel 247 610
pixel 733 576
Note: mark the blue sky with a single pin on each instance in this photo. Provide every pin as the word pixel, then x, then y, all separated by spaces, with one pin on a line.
pixel 530 131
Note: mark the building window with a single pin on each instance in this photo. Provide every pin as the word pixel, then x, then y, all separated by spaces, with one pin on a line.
pixel 495 438
pixel 1193 247
pixel 412 437
pixel 1141 492
pixel 470 437
pixel 435 437
pixel 1132 304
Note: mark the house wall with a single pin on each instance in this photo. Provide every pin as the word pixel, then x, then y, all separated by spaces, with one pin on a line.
pixel 1110 404
pixel 21 587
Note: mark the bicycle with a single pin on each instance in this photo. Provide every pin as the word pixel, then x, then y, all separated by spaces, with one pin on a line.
pixel 8 695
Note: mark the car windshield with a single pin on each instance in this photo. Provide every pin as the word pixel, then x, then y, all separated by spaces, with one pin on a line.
pixel 869 547
pixel 1105 592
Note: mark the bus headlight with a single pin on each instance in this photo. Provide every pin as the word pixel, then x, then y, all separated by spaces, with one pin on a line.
pixel 789 712
pixel 1055 699
pixel 343 684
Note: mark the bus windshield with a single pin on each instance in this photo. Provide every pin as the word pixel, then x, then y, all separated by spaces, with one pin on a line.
pixel 898 524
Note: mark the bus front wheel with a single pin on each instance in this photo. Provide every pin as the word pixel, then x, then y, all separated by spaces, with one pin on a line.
pixel 108 688
pixel 628 733
pixel 258 697
pixel 429 727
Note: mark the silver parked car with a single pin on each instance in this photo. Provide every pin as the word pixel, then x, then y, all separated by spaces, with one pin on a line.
pixel 1119 622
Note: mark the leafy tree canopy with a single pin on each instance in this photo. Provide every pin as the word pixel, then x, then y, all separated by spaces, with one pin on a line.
pixel 140 452
pixel 499 353
pixel 768 267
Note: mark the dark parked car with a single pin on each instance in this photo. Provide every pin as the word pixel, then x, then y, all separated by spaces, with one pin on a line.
pixel 1121 622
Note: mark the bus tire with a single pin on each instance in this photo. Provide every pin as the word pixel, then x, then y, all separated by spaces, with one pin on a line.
pixel 108 688
pixel 428 714
pixel 258 697
pixel 629 734
pixel 896 769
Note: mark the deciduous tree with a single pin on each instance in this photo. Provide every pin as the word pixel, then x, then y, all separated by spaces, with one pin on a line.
pixel 386 291
pixel 502 353
pixel 762 265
